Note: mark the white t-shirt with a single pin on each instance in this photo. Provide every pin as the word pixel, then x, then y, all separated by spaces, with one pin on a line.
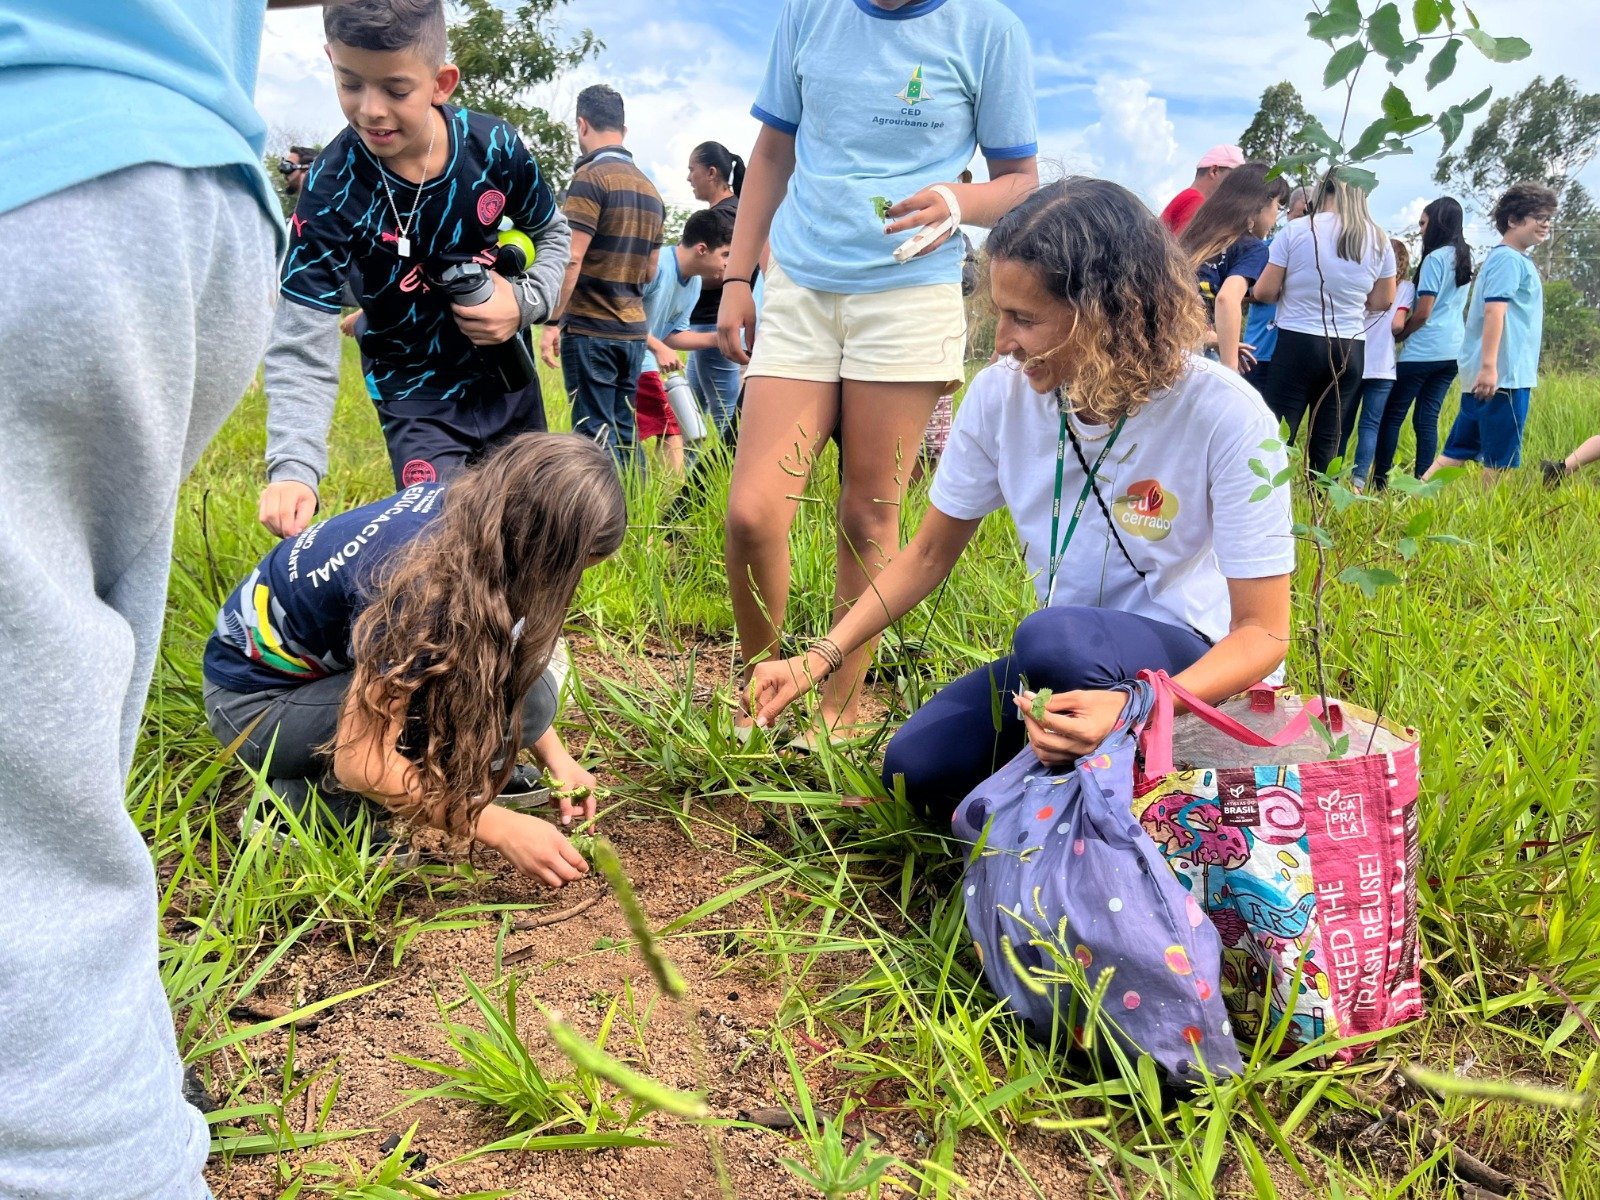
pixel 1380 334
pixel 1334 304
pixel 1178 483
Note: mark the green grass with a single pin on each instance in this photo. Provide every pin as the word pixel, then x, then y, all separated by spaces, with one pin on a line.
pixel 1487 647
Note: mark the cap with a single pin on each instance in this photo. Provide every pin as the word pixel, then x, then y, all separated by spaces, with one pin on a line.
pixel 1221 156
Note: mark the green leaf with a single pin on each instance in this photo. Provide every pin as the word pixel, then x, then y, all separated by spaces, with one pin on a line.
pixel 1383 31
pixel 1343 498
pixel 1407 548
pixel 1421 521
pixel 1342 19
pixel 1356 177
pixel 1346 61
pixel 1506 49
pixel 880 205
pixel 1271 446
pixel 1260 468
pixel 1451 123
pixel 1444 63
pixel 1426 15
pixel 1261 493
pixel 1477 102
pixel 1495 1089
pixel 1314 132
pixel 1293 162
pixel 1369 579
pixel 1041 698
pixel 1396 104
pixel 1371 140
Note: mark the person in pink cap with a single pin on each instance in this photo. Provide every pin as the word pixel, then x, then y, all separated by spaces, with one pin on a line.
pixel 1208 173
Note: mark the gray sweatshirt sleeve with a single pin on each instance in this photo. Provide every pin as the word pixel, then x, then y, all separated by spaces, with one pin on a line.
pixel 539 288
pixel 302 383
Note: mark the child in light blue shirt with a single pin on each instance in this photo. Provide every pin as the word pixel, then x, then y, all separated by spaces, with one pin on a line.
pixel 669 300
pixel 1499 360
pixel 870 110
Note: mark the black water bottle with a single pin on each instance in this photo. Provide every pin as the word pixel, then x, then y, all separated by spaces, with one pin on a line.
pixel 470 284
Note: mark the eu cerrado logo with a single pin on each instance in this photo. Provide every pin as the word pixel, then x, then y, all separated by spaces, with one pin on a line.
pixel 1146 510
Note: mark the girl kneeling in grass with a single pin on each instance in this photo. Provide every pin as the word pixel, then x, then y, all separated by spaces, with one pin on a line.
pixel 401 652
pixel 1125 461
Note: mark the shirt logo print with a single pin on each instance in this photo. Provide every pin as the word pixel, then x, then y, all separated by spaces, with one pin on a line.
pixel 490 205
pixel 916 91
pixel 1146 510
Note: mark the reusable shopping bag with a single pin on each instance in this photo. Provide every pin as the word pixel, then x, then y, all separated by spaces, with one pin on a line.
pixel 1304 859
pixel 1060 865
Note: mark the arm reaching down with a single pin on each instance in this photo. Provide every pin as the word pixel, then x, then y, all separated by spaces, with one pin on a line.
pixel 302 383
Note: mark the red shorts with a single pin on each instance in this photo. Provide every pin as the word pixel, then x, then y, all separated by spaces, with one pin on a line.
pixel 650 405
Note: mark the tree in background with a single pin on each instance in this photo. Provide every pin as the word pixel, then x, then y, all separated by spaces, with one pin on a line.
pixel 1278 128
pixel 1548 133
pixel 504 55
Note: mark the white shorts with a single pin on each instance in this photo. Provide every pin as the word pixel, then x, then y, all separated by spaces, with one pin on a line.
pixel 908 335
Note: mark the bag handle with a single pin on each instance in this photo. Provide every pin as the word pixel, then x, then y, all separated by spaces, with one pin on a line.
pixel 1156 739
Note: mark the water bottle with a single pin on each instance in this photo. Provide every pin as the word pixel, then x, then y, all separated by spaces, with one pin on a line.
pixel 470 284
pixel 684 406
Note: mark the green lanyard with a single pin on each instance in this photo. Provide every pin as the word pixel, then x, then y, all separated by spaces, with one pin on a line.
pixel 1058 550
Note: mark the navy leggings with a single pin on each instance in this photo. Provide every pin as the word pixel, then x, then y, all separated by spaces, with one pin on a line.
pixel 970 728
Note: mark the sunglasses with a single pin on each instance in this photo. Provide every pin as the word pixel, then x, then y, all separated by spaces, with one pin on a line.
pixel 287 166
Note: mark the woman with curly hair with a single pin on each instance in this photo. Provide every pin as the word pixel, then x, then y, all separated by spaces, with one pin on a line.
pixel 1128 464
pixel 401 652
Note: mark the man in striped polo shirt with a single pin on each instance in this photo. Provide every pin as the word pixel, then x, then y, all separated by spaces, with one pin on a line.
pixel 616 217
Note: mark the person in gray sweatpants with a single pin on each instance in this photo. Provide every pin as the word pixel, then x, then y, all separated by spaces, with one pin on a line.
pixel 139 235
pixel 116 373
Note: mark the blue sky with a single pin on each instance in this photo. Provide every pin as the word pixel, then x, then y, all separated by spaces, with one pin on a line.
pixel 1134 90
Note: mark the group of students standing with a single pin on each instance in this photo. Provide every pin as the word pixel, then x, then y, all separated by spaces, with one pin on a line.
pixel 1337 332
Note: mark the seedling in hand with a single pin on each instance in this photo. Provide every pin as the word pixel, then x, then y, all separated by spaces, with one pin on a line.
pixel 881 205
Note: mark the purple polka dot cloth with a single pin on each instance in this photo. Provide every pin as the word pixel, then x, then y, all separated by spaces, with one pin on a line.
pixel 1061 872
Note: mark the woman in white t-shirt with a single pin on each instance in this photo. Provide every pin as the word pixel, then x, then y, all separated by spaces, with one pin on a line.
pixel 1126 462
pixel 1327 273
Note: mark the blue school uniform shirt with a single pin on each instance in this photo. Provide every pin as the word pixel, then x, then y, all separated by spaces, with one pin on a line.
pixel 93 86
pixel 670 297
pixel 885 103
pixel 344 231
pixel 1439 339
pixel 289 622
pixel 1508 276
pixel 1261 324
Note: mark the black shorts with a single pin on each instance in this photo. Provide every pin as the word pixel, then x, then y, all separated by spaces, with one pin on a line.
pixel 428 441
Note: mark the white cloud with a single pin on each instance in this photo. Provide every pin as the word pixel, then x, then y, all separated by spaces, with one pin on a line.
pixel 1132 141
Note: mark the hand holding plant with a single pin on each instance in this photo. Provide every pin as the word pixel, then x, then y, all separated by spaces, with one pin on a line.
pixel 1064 726
pixel 533 846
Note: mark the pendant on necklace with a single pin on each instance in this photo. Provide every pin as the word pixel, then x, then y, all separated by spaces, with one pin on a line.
pixel 402 246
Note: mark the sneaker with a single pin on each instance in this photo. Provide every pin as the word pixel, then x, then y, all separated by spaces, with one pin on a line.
pixel 525 790
pixel 1554 472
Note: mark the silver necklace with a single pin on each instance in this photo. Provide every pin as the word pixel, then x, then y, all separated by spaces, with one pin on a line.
pixel 403 242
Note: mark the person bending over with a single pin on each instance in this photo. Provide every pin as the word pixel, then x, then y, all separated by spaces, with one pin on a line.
pixel 401 652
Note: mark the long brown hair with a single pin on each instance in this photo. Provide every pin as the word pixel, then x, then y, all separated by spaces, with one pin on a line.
pixel 463 621
pixel 1096 248
pixel 1226 216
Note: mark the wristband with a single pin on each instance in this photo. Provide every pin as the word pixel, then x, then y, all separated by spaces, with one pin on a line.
pixel 929 234
pixel 749 283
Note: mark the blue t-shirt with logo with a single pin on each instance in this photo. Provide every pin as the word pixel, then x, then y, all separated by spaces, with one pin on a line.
pixel 670 297
pixel 884 103
pixel 289 622
pixel 1509 277
pixel 93 86
pixel 1439 339
pixel 345 230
